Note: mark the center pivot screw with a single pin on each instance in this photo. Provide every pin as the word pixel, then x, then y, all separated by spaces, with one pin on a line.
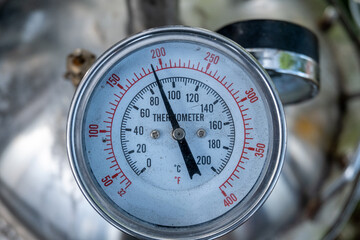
pixel 178 134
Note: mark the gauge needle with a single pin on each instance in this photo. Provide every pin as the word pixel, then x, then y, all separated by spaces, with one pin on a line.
pixel 178 132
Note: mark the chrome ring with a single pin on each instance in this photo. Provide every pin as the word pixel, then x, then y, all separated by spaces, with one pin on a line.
pixel 295 75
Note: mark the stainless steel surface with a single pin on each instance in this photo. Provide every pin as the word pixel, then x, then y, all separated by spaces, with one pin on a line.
pixel 36 184
pixel 148 14
pixel 39 197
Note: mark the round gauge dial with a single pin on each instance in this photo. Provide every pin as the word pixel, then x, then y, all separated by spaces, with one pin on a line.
pixel 176 133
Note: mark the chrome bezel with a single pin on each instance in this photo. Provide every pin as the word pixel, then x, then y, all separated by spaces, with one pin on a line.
pixel 296 76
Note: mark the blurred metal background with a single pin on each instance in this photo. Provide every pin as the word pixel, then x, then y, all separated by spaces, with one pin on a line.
pixel 39 199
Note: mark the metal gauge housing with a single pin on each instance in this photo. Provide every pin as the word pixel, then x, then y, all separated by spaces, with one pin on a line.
pixel 176 133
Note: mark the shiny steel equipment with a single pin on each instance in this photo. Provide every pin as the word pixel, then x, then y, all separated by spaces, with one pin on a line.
pixel 39 199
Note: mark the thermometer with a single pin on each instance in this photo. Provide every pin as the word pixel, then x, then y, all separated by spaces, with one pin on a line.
pixel 176 133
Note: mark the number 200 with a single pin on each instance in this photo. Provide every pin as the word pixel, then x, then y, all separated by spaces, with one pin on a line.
pixel 158 52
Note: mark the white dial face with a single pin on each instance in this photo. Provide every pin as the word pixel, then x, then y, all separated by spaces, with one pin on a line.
pixel 176 132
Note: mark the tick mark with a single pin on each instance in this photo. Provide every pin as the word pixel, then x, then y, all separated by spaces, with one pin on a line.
pixel 115 175
pixel 216 101
pixel 128 129
pixel 152 91
pixel 142 170
pixel 173 84
pixel 121 87
pixel 226 123
pixel 136 107
pixel 197 88
pixel 212 168
pixel 224 147
pixel 130 152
